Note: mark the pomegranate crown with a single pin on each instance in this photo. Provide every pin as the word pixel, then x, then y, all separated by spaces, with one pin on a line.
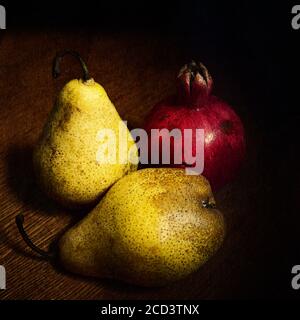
pixel 195 83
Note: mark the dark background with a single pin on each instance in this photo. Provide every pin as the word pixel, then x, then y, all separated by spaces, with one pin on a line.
pixel 251 38
pixel 251 50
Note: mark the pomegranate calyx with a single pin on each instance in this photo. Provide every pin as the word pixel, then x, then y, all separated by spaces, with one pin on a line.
pixel 195 84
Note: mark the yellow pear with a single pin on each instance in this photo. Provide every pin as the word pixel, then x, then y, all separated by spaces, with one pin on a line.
pixel 66 158
pixel 152 227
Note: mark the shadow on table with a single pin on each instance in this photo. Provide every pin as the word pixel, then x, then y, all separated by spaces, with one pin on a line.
pixel 8 240
pixel 22 182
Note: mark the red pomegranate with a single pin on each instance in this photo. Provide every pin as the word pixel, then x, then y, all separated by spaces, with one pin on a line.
pixel 195 108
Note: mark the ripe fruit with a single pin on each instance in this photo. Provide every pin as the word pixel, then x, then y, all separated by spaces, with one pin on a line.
pixel 195 108
pixel 65 157
pixel 152 227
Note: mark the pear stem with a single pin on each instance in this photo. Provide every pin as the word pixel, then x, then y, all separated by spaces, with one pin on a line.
pixel 57 61
pixel 20 222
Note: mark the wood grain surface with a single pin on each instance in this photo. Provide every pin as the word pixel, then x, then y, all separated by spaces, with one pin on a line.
pixel 137 70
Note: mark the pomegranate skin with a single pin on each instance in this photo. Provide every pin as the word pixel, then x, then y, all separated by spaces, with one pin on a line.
pixel 224 142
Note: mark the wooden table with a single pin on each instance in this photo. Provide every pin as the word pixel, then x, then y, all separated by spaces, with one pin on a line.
pixel 137 70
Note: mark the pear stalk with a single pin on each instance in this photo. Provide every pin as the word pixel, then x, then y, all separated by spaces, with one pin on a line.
pixel 45 254
pixel 57 61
